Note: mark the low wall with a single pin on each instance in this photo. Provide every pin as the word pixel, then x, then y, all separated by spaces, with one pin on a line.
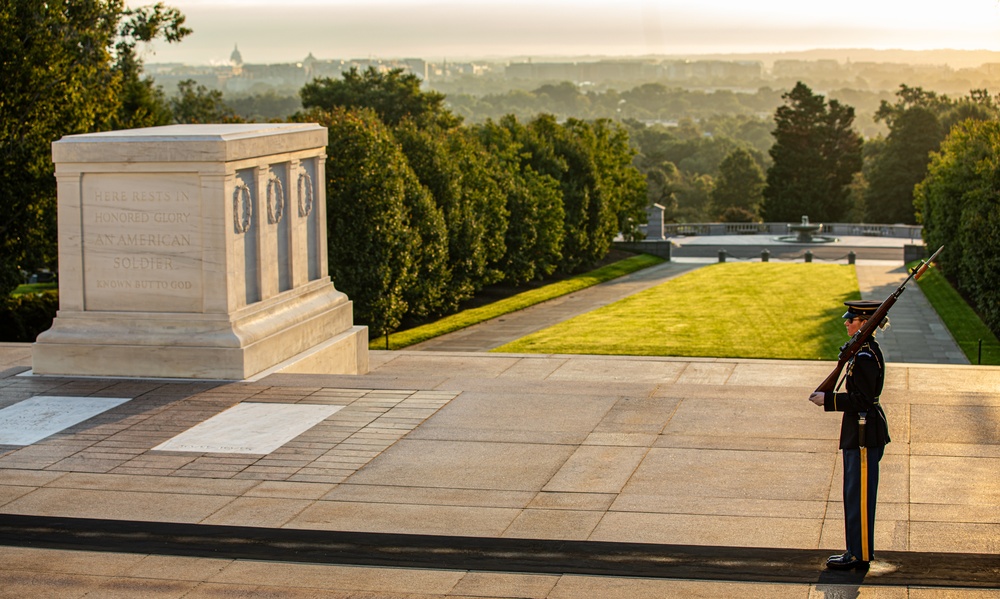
pixel 912 232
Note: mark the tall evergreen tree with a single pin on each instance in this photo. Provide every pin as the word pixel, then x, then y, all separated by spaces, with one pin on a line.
pixel 816 153
pixel 566 154
pixel 601 190
pixel 900 165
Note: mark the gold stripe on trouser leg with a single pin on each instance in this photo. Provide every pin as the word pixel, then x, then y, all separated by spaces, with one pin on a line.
pixel 864 504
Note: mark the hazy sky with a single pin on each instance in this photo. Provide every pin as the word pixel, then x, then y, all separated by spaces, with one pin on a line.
pixel 287 30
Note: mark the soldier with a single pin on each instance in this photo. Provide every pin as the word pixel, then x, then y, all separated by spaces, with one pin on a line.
pixel 864 434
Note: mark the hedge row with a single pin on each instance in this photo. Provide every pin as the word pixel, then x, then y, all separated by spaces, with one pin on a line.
pixel 23 317
pixel 960 209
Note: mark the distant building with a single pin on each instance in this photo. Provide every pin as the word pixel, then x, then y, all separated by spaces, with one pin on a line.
pixel 236 59
pixel 542 71
pixel 702 72
pixel 807 68
pixel 309 66
pixel 239 78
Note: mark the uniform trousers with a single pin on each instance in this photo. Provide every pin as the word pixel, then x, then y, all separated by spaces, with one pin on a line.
pixel 861 546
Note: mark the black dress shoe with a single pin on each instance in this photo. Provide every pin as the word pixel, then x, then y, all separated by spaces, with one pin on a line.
pixel 846 562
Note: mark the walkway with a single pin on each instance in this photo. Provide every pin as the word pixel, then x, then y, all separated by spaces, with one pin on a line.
pixel 916 333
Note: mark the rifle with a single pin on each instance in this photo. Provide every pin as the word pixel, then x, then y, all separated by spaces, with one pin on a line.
pixel 854 344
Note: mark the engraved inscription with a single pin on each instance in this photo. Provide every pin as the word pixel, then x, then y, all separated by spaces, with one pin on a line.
pixel 142 242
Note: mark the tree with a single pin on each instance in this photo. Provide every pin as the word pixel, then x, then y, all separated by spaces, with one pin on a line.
pixel 816 154
pixel 458 174
pixel 602 192
pixel 66 69
pixel 486 214
pixel 918 122
pixel 428 294
pixel 197 104
pixel 900 165
pixel 533 238
pixel 661 189
pixel 372 246
pixel 564 98
pixel 394 96
pixel 694 197
pixel 978 106
pixel 739 188
pixel 959 207
pixel 140 102
pixel 567 153
pixel 623 184
pixel 682 163
pixel 915 130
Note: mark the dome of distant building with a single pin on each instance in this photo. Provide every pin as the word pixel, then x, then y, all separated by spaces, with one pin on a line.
pixel 236 58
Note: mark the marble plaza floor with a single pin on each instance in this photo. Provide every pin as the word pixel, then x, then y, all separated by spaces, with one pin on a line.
pixel 703 477
pixel 470 474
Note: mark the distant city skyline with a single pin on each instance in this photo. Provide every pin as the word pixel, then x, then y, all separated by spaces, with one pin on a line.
pixel 269 32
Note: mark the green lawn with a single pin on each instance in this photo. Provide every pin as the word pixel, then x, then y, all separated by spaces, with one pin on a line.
pixel 520 301
pixel 736 309
pixel 33 288
pixel 963 323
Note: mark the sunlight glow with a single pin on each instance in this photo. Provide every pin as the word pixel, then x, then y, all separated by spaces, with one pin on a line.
pixel 270 32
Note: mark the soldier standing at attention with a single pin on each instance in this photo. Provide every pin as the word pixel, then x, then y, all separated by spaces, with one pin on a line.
pixel 864 434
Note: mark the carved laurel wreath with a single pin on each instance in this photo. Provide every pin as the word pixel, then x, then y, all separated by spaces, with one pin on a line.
pixel 242 216
pixel 275 201
pixel 305 194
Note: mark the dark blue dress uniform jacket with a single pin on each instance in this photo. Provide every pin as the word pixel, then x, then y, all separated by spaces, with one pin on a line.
pixel 865 375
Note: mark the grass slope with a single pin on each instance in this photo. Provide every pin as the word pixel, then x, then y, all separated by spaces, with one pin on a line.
pixel 962 321
pixel 520 301
pixel 33 288
pixel 738 309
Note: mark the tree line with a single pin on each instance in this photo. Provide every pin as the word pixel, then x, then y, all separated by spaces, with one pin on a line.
pixel 423 212
pixel 425 209
pixel 939 166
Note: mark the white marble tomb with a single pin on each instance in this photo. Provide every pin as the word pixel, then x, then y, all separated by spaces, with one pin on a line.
pixel 196 251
